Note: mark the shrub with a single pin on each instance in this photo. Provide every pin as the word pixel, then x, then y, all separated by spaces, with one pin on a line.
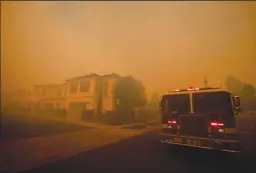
pixel 62 113
pixel 145 114
pixel 124 116
pixel 88 115
pixel 109 117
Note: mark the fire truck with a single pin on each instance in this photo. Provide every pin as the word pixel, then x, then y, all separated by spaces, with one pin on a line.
pixel 201 117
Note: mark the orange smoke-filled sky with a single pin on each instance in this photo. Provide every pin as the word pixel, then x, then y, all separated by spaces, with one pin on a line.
pixel 166 45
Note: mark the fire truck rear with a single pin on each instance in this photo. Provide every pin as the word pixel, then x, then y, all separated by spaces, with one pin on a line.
pixel 201 117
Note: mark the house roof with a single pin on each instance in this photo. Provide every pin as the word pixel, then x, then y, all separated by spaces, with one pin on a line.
pixel 84 76
pixel 111 75
pixel 48 85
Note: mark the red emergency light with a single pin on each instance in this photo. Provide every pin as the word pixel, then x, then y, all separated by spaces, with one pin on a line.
pixel 193 89
pixel 216 124
pixel 172 122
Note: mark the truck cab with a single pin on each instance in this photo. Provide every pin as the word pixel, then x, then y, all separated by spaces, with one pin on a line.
pixel 201 117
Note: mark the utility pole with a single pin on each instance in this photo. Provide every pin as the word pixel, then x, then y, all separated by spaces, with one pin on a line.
pixel 205 82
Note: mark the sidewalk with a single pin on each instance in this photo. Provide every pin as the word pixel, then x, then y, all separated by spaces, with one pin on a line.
pixel 32 152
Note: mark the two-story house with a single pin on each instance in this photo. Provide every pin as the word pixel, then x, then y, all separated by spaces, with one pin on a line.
pixel 91 92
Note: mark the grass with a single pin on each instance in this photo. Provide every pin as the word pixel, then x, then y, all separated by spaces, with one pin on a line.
pixel 18 127
pixel 141 125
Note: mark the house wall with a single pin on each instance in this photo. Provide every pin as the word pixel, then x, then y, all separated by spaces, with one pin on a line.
pixel 108 96
pixel 86 97
pixel 55 103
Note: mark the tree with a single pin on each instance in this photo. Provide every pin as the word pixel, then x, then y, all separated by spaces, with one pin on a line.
pixel 234 85
pixel 248 91
pixel 130 93
pixel 245 91
pixel 205 82
pixel 154 101
pixel 240 88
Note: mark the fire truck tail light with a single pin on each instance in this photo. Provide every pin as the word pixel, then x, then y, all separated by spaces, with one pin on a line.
pixel 172 122
pixel 216 124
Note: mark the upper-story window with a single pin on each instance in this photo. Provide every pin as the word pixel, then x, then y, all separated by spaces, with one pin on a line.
pixel 37 93
pixel 29 95
pixel 105 88
pixel 84 86
pixel 44 92
pixel 57 105
pixel 58 91
pixel 73 88
pixel 51 92
pixel 64 91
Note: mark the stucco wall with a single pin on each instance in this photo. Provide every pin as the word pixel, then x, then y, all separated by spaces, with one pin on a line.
pixel 108 97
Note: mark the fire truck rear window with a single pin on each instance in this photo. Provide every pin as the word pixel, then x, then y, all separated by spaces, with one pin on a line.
pixel 179 103
pixel 212 102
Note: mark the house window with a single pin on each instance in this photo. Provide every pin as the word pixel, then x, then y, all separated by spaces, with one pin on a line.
pixel 44 92
pixel 58 91
pixel 29 95
pixel 57 105
pixel 77 106
pixel 105 88
pixel 38 94
pixel 84 86
pixel 48 105
pixel 73 88
pixel 50 92
pixel 65 91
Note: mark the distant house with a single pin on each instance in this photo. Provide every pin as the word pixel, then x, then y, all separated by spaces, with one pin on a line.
pixel 19 100
pixel 50 96
pixel 21 97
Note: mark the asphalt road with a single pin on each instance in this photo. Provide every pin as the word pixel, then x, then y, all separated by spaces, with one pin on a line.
pixel 15 127
pixel 145 154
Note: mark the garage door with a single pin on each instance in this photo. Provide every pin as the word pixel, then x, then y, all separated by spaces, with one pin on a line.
pixel 75 110
pixel 77 106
